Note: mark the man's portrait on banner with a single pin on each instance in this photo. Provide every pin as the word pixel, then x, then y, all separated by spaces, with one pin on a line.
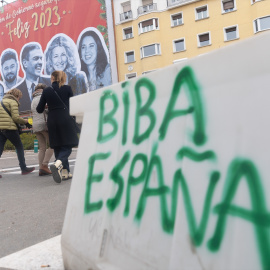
pixel 32 64
pixel 10 69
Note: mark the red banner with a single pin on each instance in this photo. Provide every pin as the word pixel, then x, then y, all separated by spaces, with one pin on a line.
pixel 38 37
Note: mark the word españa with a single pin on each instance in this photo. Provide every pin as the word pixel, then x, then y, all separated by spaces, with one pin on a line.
pixel 239 169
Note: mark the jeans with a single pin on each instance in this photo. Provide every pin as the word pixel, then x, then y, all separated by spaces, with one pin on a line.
pixel 62 153
pixel 14 137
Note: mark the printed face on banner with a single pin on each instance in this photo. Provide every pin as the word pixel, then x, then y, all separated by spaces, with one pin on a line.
pixel 68 37
pixel 9 69
pixel 59 58
pixel 33 63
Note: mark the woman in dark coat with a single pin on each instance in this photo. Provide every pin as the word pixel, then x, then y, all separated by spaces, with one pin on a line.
pixel 61 127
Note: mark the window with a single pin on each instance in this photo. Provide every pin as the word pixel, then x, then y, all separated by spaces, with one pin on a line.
pixel 204 40
pixel 131 76
pixel 129 57
pixel 179 60
pixel 201 13
pixel 177 19
pixel 127 13
pixel 228 5
pixel 148 25
pixel 179 45
pixel 261 24
pixel 231 33
pixel 147 5
pixel 128 33
pixel 149 71
pixel 150 50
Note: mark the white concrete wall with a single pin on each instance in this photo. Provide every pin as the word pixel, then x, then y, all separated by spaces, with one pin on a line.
pixel 192 193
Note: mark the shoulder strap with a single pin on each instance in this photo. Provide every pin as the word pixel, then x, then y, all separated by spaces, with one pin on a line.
pixel 59 98
pixel 4 107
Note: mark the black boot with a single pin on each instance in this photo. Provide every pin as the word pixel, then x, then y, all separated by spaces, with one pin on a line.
pixel 27 170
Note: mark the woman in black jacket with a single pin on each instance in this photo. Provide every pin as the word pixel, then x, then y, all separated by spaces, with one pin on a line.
pixel 61 126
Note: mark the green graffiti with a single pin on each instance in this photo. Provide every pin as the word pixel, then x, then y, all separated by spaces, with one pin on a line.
pixel 118 179
pixel 126 115
pixel 191 154
pixel 91 178
pixel 160 191
pixel 144 110
pixel 107 118
pixel 186 77
pixel 246 170
pixel 132 180
pixel 197 232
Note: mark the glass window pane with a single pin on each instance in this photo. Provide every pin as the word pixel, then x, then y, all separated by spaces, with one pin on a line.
pixel 231 33
pixel 149 50
pixel 130 57
pixel 179 45
pixel 265 23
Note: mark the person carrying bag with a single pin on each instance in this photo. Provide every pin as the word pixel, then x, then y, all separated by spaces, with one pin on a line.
pixel 62 131
pixel 9 119
pixel 40 129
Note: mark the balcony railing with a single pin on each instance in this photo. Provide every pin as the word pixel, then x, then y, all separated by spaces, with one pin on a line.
pixel 147 8
pixel 178 2
pixel 126 15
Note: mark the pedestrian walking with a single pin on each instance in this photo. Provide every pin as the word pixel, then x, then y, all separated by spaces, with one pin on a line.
pixel 61 126
pixel 9 119
pixel 40 129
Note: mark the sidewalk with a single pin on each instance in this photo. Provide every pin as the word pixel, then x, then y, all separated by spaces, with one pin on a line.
pixel 45 255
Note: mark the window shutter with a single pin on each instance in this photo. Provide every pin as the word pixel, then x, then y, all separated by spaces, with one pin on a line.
pixel 233 29
pixel 204 37
pixel 126 6
pixel 228 5
pixel 147 2
pixel 147 23
pixel 128 31
pixel 178 16
pixel 201 9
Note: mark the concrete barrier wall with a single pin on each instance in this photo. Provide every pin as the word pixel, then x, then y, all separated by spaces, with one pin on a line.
pixel 172 169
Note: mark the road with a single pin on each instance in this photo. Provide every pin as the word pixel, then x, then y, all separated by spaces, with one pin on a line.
pixel 32 208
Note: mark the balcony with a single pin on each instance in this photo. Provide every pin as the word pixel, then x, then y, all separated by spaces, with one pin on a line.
pixel 172 3
pixel 147 8
pixel 126 16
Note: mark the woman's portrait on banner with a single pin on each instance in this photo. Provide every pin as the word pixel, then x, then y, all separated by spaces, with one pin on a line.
pixel 61 54
pixel 94 57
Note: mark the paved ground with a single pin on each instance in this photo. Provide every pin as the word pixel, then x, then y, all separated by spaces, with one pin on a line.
pixel 32 208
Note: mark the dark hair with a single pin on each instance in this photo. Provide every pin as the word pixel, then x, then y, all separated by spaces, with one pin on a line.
pixel 61 41
pixel 101 61
pixel 60 77
pixel 26 50
pixel 7 56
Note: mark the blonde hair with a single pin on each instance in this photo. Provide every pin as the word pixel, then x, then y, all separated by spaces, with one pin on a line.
pixel 40 86
pixel 15 92
pixel 60 77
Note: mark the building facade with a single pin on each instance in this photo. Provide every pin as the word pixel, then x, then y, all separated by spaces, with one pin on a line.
pixel 151 34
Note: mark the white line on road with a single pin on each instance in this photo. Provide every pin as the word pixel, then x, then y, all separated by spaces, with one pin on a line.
pixel 18 168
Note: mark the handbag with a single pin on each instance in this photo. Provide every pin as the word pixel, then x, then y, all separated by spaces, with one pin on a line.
pixel 76 125
pixel 45 120
pixel 18 126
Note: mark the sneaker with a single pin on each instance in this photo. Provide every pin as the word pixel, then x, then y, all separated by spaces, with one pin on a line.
pixel 56 170
pixel 27 170
pixel 66 175
pixel 0 176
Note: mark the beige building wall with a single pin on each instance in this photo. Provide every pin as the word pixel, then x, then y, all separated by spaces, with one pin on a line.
pixel 242 17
